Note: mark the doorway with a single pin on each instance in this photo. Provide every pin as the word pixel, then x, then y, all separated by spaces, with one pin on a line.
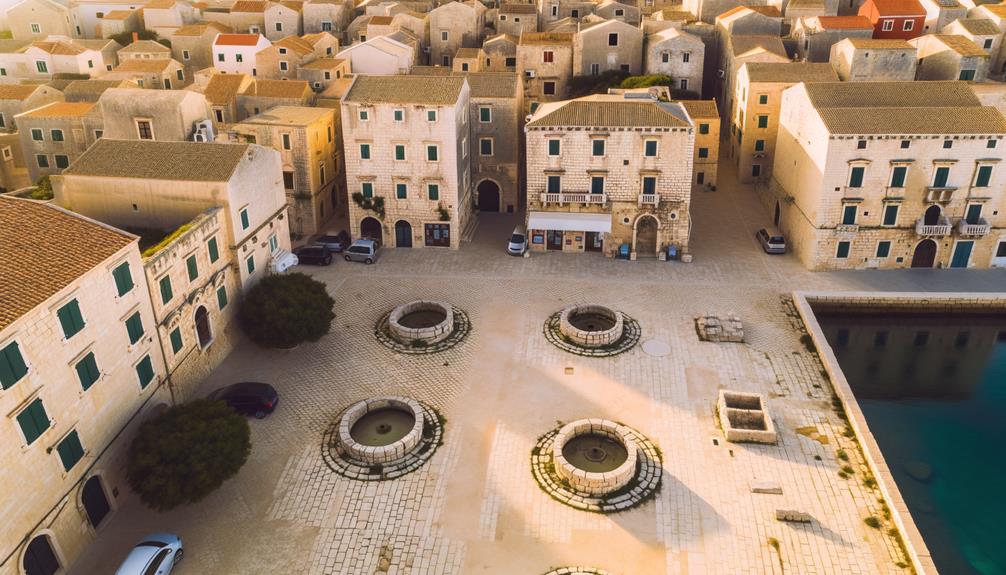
pixel 489 196
pixel 962 254
pixel 925 253
pixel 932 215
pixel 370 229
pixel 646 237
pixel 594 242
pixel 553 239
pixel 95 502
pixel 203 332
pixel 403 234
pixel 40 558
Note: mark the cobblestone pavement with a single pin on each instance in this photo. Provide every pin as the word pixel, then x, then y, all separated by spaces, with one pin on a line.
pixel 475 508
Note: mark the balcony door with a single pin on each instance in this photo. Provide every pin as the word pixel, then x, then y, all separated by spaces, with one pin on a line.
pixel 962 254
pixel 925 253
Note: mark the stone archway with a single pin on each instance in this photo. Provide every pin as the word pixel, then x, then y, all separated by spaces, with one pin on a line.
pixel 932 215
pixel 646 234
pixel 204 333
pixel 925 254
pixel 370 229
pixel 489 196
pixel 95 501
pixel 40 557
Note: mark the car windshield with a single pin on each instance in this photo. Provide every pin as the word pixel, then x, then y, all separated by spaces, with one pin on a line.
pixel 157 544
pixel 359 250
pixel 516 239
pixel 776 240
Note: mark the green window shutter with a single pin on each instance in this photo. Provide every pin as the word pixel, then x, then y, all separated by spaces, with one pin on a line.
pixel 434 192
pixel 70 319
pixel 984 175
pixel 250 263
pixel 176 340
pixel 762 121
pixel 597 147
pixel 553 147
pixel 33 421
pixel 849 215
pixel 222 297
pixel 401 191
pixel 843 250
pixel 703 128
pixel 649 185
pixel 211 247
pixel 123 279
pixel 399 152
pixel 898 176
pixel 364 151
pixel 87 371
pixel 134 326
pixel 431 153
pixel 883 249
pixel 166 293
pixel 596 185
pixel 145 372
pixel 192 266
pixel 650 148
pixel 12 366
pixel 70 450
pixel 942 175
pixel 244 219
pixel 367 189
pixel 856 177
pixel 485 115
pixel 759 145
pixel 890 214
pixel 703 152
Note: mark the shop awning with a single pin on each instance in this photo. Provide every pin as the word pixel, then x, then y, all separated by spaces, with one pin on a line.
pixel 569 222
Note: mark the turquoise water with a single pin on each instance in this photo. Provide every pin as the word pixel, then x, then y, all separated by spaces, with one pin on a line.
pixel 933 390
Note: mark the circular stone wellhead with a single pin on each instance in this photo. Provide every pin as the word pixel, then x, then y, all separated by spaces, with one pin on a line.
pixel 590 325
pixel 423 321
pixel 381 430
pixel 596 456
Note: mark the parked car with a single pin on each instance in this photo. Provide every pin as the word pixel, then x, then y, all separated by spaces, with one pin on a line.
pixel 362 251
pixel 518 242
pixel 334 242
pixel 155 554
pixel 771 240
pixel 314 255
pixel 248 397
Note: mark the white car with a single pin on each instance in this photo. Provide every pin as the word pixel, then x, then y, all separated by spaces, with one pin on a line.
pixel 156 554
pixel 518 242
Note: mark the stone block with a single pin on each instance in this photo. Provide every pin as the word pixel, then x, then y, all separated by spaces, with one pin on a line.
pixel 792 516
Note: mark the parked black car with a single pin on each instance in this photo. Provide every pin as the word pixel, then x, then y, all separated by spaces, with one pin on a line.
pixel 248 397
pixel 314 255
pixel 335 243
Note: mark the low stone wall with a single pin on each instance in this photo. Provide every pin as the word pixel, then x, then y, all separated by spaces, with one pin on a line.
pixel 744 417
pixel 593 483
pixel 586 338
pixel 427 335
pixel 384 453
pixel 720 329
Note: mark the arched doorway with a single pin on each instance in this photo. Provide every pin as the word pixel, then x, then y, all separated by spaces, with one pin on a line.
pixel 646 237
pixel 370 229
pixel 403 234
pixel 925 253
pixel 489 196
pixel 95 502
pixel 203 332
pixel 40 558
pixel 932 215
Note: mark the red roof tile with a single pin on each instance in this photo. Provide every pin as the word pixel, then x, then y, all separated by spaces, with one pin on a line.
pixel 237 40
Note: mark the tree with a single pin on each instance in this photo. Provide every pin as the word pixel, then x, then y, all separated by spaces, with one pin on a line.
pixel 285 310
pixel 186 453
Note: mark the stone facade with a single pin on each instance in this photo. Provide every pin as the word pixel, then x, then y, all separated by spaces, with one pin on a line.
pixel 55 135
pixel 496 116
pixel 545 63
pixel 516 19
pixel 192 45
pixel 864 60
pixel 172 115
pixel 950 57
pixel 326 16
pixel 455 25
pixel 707 137
pixel 677 54
pixel 607 45
pixel 815 36
pixel 283 19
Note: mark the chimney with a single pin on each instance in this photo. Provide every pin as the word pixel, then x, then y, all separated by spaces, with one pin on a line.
pixel 136 36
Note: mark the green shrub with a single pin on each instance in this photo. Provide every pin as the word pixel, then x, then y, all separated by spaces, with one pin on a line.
pixel 186 453
pixel 126 38
pixel 43 189
pixel 647 81
pixel 285 310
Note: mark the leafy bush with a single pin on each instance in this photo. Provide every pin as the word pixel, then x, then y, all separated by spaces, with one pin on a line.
pixel 186 453
pixel 647 81
pixel 581 86
pixel 285 310
pixel 126 38
pixel 43 189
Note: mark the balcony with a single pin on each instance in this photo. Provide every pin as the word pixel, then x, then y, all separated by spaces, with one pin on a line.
pixel 573 198
pixel 939 195
pixel 942 228
pixel 977 230
pixel 649 199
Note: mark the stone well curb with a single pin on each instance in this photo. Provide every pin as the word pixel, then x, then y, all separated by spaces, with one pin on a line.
pixel 383 453
pixel 630 337
pixel 462 327
pixel 594 483
pixel 591 339
pixel 428 335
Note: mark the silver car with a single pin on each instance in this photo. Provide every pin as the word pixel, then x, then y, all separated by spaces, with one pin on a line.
pixel 518 242
pixel 362 251
pixel 771 240
pixel 156 554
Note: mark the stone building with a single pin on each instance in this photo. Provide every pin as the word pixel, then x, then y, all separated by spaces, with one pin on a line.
pixel 939 13
pixel 161 74
pixel 144 50
pixel 496 117
pixel 889 175
pixel 501 53
pixel 313 175
pixel 91 90
pixel 192 45
pixel 167 115
pixel 866 60
pixel 545 63
pixel 516 19
pixel 79 362
pixel 235 53
pixel 677 54
pixel 283 59
pixel 262 95
pixel 408 159
pixel 895 19
pixel 221 93
pixel 950 57
pixel 815 36
pixel 330 16
pixel 42 60
pixel 552 11
pixel 754 120
pixel 381 55
pixel 608 45
pixel 741 50
pixel 283 18
pixel 55 135
pixel 996 14
pixel 982 32
pixel 613 10
pixel 323 72
pixel 607 170
pixel 455 25
pixel 166 17
pixel 706 118
pixel 15 99
pixel 37 19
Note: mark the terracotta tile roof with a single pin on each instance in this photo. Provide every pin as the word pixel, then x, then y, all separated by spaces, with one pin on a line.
pixel 899 8
pixel 961 44
pixel 144 65
pixel 979 26
pixel 278 89
pixel 430 90
pixel 93 88
pixel 59 48
pixel 743 44
pixel 879 44
pixel 31 271
pixel 845 23
pixel 118 14
pixel 493 85
pixel 467 53
pixel 236 40
pixel 431 71
pixel 160 4
pixel 316 37
pixel 517 9
pixel 605 112
pixel 674 13
pixel 200 29
pixel 790 72
pixel 154 160
pixel 701 108
pixel 249 6
pixel 290 116
pixel 293 5
pixel 295 44
pixel 546 38
pixel 380 20
pixel 222 89
pixel 61 110
pixel 17 91
pixel 145 46
pixel 920 94
pixel 323 64
pixel 921 120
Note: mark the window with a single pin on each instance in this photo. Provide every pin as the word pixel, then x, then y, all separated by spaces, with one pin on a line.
pixel 239 58
pixel 444 36
pixel 703 128
pixel 991 144
pixel 400 152
pixel 144 130
pixel 33 420
pixel 843 250
pixel 883 249
pixel 364 115
pixel 433 191
pixel 211 248
pixel 288 182
pixel 185 55
pixel 134 327
pixel 548 88
pixel 90 63
pixel 222 297
pixel 145 371
pixel 57 135
pixel 762 121
pixel 284 66
pixel 613 39
pixel 973 214
pixel 62 161
pixel 485 146
pixel 650 148
pixel 326 26
pixel 619 12
pixel 70 450
pixel 12 365
pixel 967 75
pixel 553 184
pixel 485 114
pixel 755 170
pixel 888 25
pixel 36 134
pixel 464 66
pixel 36 28
pixel 554 147
pixel 245 223
pixel 250 264
pixel 665 57
pixel 703 152
pixel 510 62
pixel 70 319
pixel 683 84
pixel 123 279
pixel 42 160
pixel 763 99
pixel 401 190
pixel 176 340
pixel 987 44
pixel 861 144
pixel 437 234
pixel 905 144
pixel 983 177
pixel 947 144
pixel 649 185
pixel 890 215
pixel 166 293
pixel 595 69
pixel 597 147
pixel 849 215
pixel 548 56
pixel 87 370
pixel 759 145
pixel 856 176
pixel 908 25
pixel 41 66
pixel 431 115
pixel 192 266
pixel 941 176
pixel 279 26
pixel 432 153
pixel 596 185
pixel 364 151
pixel 367 189
pixel 399 115
pixel 273 243
pixel 898 174
pixel 220 57
pixel 686 56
